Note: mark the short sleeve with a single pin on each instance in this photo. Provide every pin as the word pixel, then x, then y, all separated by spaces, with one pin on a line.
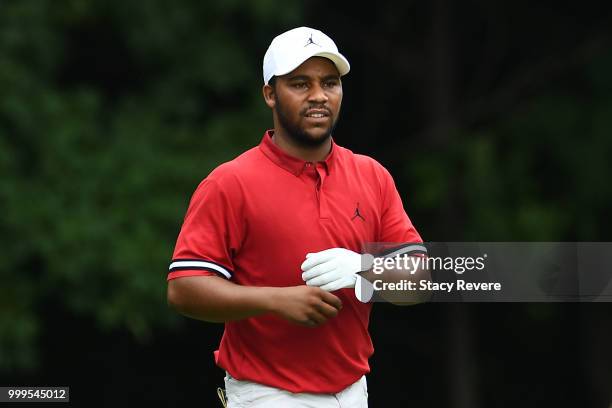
pixel 396 226
pixel 211 233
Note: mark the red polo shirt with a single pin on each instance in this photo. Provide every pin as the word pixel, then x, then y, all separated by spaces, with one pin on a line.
pixel 254 219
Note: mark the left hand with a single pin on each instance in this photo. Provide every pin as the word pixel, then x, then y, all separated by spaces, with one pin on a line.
pixel 332 269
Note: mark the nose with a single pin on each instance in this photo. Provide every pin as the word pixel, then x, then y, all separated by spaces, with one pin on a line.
pixel 317 94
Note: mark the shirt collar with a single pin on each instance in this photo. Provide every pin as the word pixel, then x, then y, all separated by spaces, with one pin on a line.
pixel 292 164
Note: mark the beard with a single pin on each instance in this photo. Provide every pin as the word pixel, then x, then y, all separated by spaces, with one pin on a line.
pixel 298 134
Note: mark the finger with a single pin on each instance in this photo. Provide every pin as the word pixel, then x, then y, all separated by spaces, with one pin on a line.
pixel 318 270
pixel 327 310
pixel 317 258
pixel 323 279
pixel 307 323
pixel 316 317
pixel 332 286
pixel 332 300
pixel 336 284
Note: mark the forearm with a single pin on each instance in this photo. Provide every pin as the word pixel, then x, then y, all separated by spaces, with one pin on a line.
pixel 214 299
pixel 401 297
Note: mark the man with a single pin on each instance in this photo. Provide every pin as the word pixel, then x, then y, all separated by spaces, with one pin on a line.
pixel 270 243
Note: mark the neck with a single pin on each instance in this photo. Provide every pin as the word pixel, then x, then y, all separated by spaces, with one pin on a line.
pixel 306 153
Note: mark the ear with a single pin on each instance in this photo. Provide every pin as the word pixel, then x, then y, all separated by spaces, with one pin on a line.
pixel 268 94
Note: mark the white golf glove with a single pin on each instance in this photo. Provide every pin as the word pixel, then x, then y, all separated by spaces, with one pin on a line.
pixel 333 268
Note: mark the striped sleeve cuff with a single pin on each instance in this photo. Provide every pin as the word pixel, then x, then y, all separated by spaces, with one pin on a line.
pixel 199 264
pixel 407 249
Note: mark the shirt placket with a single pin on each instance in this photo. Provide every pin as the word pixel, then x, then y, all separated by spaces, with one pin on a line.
pixel 321 196
pixel 316 174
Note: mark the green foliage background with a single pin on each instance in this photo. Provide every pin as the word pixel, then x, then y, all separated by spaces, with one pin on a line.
pixel 100 149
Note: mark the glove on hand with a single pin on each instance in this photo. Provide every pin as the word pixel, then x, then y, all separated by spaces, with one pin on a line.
pixel 332 269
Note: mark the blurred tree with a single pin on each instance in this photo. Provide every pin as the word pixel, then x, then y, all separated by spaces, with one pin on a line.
pixel 111 113
pixel 485 112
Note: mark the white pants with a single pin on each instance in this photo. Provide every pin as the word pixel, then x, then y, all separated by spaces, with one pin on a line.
pixel 247 394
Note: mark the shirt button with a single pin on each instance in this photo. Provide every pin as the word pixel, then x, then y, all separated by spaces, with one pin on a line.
pixel 308 164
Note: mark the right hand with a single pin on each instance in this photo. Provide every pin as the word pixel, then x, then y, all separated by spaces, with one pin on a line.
pixel 305 305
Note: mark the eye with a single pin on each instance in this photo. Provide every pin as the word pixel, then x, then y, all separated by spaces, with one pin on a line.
pixel 331 83
pixel 299 85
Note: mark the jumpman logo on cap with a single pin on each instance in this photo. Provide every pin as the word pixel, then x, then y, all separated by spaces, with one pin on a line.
pixel 310 41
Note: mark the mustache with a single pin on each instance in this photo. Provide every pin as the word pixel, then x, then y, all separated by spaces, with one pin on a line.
pixel 317 107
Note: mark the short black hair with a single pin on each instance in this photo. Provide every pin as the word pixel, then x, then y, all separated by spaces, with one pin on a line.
pixel 272 81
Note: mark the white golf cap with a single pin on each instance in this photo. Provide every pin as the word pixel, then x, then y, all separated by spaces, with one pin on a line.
pixel 290 49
